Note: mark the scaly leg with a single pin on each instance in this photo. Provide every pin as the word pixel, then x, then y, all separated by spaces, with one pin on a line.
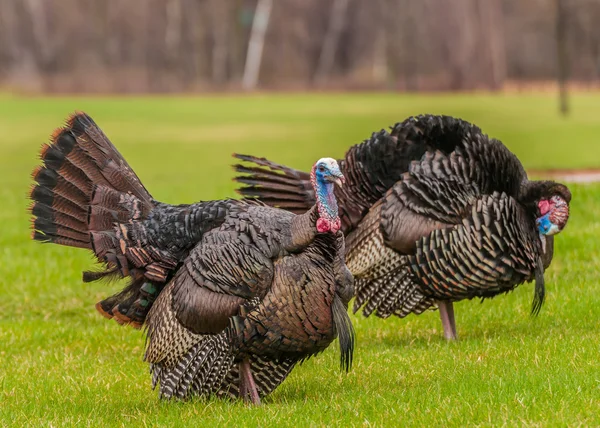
pixel 447 315
pixel 248 390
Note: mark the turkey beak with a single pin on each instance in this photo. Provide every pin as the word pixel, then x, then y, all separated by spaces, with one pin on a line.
pixel 339 180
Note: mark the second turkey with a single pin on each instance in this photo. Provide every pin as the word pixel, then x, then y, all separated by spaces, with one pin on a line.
pixel 434 212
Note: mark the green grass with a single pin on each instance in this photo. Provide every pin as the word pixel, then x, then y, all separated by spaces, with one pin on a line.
pixel 62 364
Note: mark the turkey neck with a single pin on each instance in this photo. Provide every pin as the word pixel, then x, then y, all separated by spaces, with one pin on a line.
pixel 531 192
pixel 326 201
pixel 304 226
pixel 303 230
pixel 329 220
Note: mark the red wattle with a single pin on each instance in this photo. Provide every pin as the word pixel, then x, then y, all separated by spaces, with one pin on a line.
pixel 322 225
pixel 335 226
pixel 325 225
pixel 544 206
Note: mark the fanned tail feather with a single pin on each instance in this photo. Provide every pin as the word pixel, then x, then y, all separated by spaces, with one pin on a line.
pixel 274 184
pixel 83 189
pixel 131 305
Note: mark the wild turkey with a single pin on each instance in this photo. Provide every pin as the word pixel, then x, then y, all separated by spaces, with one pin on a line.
pixel 433 212
pixel 233 293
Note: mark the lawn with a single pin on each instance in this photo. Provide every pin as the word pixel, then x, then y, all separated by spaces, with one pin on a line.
pixel 63 364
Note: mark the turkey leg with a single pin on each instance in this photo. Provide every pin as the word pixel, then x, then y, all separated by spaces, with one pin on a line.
pixel 447 315
pixel 248 390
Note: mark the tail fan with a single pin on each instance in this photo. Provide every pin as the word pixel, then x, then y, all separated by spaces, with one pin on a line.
pixel 274 184
pixel 83 190
pixel 131 305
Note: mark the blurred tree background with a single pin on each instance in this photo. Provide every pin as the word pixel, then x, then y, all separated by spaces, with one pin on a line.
pixel 138 46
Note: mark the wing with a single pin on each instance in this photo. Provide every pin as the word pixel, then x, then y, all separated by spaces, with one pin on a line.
pixel 214 281
pixel 492 250
pixel 437 193
pixel 439 190
pixel 382 281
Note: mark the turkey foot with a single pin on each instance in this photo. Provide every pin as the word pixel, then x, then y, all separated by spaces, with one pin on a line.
pixel 248 390
pixel 447 315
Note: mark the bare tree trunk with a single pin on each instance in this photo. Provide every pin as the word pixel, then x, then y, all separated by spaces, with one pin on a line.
pixel 562 56
pixel 384 43
pixel 111 52
pixel 9 24
pixel 237 43
pixel 35 9
pixel 154 44
pixel 32 58
pixel 455 27
pixel 260 23
pixel 410 44
pixel 220 30
pixel 596 60
pixel 492 20
pixel 380 63
pixel 173 27
pixel 332 38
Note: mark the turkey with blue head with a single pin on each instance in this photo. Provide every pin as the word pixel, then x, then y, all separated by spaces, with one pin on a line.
pixel 233 293
pixel 433 212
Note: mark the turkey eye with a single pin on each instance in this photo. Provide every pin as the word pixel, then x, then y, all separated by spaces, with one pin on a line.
pixel 322 169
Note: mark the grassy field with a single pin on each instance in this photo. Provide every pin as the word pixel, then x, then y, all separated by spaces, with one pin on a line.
pixel 62 364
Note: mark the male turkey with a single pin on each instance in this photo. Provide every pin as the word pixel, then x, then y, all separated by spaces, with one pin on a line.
pixel 233 293
pixel 433 212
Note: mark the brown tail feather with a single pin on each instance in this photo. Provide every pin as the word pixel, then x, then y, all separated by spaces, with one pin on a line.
pixel 60 185
pixel 83 189
pixel 275 185
pixel 259 173
pixel 130 306
pixel 45 212
pixel 60 240
pixel 82 182
pixel 115 168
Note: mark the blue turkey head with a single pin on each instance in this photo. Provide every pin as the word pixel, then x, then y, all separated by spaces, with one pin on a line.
pixel 327 170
